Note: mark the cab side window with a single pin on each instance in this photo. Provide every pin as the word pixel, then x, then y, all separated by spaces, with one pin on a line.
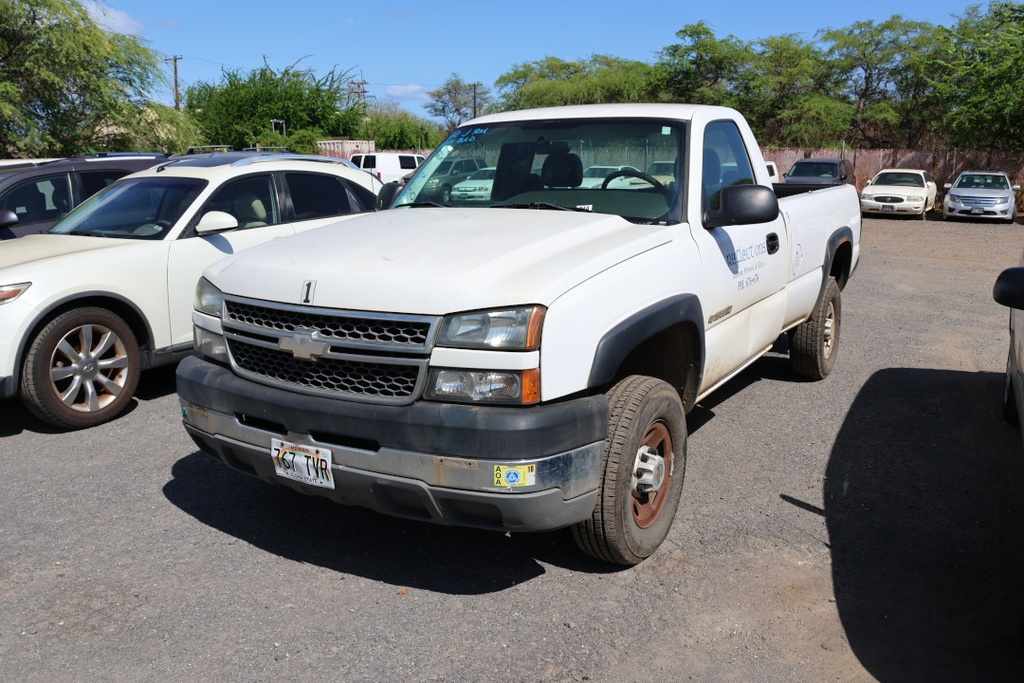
pixel 726 162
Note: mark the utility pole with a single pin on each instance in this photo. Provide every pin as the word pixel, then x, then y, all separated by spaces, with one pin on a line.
pixel 177 96
pixel 357 90
pixel 476 85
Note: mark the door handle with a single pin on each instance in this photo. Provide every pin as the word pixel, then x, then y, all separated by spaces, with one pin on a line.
pixel 772 243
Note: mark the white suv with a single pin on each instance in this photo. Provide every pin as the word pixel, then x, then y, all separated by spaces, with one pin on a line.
pixel 108 291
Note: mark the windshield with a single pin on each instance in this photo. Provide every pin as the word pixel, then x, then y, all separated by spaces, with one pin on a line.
pixel 539 164
pixel 899 179
pixel 814 169
pixel 982 181
pixel 135 208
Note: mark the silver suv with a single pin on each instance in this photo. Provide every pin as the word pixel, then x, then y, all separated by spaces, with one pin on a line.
pixel 981 194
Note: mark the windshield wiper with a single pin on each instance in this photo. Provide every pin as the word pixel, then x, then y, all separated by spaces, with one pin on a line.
pixel 84 233
pixel 416 205
pixel 540 205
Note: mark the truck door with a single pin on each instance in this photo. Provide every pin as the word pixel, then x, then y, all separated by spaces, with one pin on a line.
pixel 744 266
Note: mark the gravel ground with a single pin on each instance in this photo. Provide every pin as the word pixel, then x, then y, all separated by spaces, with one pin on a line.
pixel 862 528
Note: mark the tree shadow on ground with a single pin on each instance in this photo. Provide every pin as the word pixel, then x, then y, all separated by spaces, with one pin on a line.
pixel 924 502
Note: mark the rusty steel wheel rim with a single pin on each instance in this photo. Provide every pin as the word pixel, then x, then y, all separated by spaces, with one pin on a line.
pixel 647 506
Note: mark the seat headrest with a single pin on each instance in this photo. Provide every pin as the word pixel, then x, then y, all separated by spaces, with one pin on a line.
pixel 562 170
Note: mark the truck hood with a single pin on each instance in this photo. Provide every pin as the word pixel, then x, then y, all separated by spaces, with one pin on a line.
pixel 434 261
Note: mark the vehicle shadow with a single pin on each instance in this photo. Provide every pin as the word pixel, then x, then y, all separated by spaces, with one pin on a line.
pixel 924 503
pixel 361 542
pixel 15 418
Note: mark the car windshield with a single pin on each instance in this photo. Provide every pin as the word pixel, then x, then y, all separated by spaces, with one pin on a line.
pixel 539 164
pixel 135 208
pixel 982 181
pixel 814 169
pixel 899 179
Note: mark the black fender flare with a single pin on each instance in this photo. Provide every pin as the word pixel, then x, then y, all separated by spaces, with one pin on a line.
pixel 618 342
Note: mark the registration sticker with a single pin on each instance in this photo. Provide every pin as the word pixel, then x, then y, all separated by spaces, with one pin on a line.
pixel 306 464
pixel 508 476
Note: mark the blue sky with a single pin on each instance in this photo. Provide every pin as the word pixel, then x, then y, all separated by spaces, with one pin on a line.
pixel 405 49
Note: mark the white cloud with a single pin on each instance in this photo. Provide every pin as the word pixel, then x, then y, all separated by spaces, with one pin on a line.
pixel 411 91
pixel 113 20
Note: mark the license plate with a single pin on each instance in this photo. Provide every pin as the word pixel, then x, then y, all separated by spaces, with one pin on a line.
pixel 888 207
pixel 977 210
pixel 306 464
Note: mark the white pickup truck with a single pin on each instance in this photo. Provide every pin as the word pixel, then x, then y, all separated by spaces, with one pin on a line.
pixel 524 363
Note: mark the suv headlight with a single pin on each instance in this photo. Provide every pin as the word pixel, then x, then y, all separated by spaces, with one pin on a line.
pixel 515 328
pixel 9 293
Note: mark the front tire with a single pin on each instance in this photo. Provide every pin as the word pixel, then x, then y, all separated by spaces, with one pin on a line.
pixel 814 344
pixel 643 471
pixel 81 370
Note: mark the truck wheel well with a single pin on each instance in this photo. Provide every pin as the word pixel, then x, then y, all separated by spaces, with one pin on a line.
pixel 672 355
pixel 842 260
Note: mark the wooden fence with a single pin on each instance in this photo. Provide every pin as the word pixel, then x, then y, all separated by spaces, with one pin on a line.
pixel 943 164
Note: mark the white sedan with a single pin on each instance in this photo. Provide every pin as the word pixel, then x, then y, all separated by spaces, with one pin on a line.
pixel 899 191
pixel 108 291
pixel 475 188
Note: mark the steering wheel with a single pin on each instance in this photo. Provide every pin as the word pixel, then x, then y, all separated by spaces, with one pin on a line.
pixel 626 172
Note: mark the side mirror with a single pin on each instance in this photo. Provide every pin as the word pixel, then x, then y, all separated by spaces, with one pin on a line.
pixel 948 186
pixel 1015 188
pixel 744 205
pixel 216 221
pixel 7 218
pixel 388 193
pixel 1009 288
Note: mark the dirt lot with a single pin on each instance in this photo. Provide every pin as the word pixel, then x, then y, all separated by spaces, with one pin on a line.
pixel 862 528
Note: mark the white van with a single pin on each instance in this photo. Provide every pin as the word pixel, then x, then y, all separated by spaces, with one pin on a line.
pixel 387 166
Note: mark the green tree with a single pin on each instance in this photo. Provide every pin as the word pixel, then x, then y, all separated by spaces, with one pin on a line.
pixel 701 68
pixel 552 82
pixel 391 127
pixel 66 85
pixel 244 108
pixel 457 101
pixel 980 69
pixel 882 77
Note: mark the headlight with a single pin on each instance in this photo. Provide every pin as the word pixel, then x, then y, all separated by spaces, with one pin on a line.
pixel 954 198
pixel 9 293
pixel 517 387
pixel 210 344
pixel 868 197
pixel 516 328
pixel 209 299
pixel 915 198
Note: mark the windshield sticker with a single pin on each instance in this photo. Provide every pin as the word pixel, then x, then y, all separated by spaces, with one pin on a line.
pixel 461 137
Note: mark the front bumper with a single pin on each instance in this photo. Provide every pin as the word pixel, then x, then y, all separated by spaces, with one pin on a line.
pixel 428 461
pixel 905 208
pixel 1005 211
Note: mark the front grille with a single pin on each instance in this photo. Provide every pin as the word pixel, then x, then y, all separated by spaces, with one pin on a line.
pixel 889 199
pixel 978 201
pixel 332 326
pixel 385 381
pixel 361 356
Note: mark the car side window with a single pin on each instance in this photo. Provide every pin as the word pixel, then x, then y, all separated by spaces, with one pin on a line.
pixel 41 199
pixel 316 195
pixel 251 200
pixel 726 162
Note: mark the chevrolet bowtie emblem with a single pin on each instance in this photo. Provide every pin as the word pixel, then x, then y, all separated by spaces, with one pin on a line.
pixel 303 345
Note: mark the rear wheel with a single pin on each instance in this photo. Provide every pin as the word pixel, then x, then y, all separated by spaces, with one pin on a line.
pixel 814 344
pixel 81 369
pixel 643 471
